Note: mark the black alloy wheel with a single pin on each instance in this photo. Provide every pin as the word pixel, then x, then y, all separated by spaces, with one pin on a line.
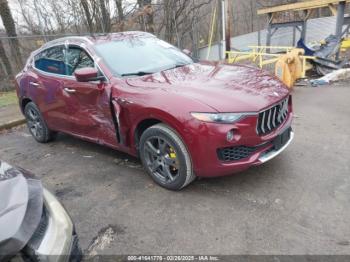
pixel 165 157
pixel 36 124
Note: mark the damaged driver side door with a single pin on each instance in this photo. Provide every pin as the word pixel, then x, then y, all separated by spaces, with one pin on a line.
pixel 89 110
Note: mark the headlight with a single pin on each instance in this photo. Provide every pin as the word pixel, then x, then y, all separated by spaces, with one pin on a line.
pixel 58 239
pixel 225 118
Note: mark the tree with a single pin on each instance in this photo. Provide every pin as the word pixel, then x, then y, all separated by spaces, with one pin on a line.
pixel 5 60
pixel 147 18
pixel 120 23
pixel 85 6
pixel 180 19
pixel 120 11
pixel 10 28
pixel 106 20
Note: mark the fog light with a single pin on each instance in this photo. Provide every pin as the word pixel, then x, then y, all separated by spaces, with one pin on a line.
pixel 229 135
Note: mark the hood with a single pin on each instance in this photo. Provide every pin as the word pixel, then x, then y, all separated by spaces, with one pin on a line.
pixel 21 207
pixel 225 88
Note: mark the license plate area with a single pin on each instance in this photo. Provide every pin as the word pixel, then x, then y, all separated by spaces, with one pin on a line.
pixel 281 139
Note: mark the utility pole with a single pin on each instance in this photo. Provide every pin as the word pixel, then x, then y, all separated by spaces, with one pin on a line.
pixel 219 26
pixel 229 23
pixel 222 13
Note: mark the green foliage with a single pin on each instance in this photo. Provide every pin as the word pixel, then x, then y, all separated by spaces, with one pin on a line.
pixel 8 98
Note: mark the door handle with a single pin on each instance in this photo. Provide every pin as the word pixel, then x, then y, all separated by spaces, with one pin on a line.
pixel 69 90
pixel 125 101
pixel 33 84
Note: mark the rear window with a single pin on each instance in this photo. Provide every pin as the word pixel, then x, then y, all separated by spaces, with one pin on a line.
pixel 51 60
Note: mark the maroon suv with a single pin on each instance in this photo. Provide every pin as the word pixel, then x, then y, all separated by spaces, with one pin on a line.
pixel 138 94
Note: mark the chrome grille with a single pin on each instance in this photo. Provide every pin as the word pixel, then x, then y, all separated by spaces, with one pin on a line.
pixel 272 118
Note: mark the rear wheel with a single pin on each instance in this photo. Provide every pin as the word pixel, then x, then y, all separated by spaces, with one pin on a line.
pixel 165 157
pixel 36 124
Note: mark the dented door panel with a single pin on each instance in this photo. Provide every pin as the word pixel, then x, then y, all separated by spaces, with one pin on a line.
pixel 89 111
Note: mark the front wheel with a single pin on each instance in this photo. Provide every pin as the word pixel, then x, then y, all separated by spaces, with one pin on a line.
pixel 165 157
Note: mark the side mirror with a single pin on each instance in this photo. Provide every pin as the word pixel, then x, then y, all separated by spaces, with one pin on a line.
pixel 87 74
pixel 187 52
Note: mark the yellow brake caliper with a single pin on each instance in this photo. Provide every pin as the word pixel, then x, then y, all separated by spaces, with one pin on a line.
pixel 172 155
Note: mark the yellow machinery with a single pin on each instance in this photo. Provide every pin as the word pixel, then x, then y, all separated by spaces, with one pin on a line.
pixel 289 67
pixel 345 44
pixel 290 63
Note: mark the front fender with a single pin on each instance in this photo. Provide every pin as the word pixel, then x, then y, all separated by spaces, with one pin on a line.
pixel 162 116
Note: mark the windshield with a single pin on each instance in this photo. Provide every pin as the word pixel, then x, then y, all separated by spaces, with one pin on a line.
pixel 140 56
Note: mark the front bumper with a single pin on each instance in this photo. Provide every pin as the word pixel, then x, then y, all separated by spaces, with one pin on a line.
pixel 60 242
pixel 273 153
pixel 204 154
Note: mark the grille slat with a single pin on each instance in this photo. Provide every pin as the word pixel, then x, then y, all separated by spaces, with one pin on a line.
pixel 272 118
pixel 269 119
pixel 262 123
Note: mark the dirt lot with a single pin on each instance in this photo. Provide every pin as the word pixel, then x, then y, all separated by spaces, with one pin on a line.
pixel 297 203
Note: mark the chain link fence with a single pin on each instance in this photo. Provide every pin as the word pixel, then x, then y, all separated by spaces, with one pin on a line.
pixel 12 62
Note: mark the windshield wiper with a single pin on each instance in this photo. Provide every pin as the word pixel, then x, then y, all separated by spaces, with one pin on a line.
pixel 140 73
pixel 180 65
pixel 176 66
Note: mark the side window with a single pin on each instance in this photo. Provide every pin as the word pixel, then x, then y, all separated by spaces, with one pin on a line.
pixel 77 58
pixel 51 60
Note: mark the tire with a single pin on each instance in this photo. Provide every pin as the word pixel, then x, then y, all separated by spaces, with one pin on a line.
pixel 168 161
pixel 37 125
